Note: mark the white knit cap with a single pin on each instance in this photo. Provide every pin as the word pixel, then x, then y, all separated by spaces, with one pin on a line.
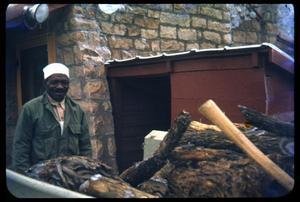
pixel 55 68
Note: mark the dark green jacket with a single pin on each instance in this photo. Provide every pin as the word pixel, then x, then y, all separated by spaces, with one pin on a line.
pixel 38 134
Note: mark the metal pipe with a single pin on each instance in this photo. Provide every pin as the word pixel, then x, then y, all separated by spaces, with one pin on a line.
pixel 22 186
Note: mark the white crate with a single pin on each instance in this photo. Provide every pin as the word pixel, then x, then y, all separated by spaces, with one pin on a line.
pixel 152 141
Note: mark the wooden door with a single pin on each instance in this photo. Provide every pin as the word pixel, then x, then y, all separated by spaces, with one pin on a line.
pixel 34 52
pixel 140 105
pixel 33 60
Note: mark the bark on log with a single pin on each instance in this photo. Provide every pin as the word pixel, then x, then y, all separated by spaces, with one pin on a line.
pixel 268 123
pixel 267 142
pixel 201 154
pixel 144 170
pixel 192 153
pixel 158 184
pixel 223 173
pixel 68 171
pixel 104 187
pixel 174 134
pixel 205 172
pixel 84 175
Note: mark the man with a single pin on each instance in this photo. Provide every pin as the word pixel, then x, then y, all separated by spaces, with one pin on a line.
pixel 50 125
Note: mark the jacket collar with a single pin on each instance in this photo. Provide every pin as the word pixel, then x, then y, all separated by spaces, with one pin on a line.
pixel 55 103
pixel 68 109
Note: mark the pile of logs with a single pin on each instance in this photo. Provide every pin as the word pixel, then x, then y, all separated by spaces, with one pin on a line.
pixel 193 160
pixel 215 167
pixel 69 172
pixel 85 175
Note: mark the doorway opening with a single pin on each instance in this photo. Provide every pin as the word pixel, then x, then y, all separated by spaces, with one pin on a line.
pixel 27 52
pixel 140 105
pixel 32 61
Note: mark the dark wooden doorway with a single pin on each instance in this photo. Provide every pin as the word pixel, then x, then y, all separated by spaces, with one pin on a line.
pixel 32 61
pixel 140 105
pixel 27 52
pixel 33 52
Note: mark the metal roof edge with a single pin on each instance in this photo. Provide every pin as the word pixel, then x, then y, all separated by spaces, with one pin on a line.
pixel 209 49
pixel 148 57
pixel 118 60
pixel 176 54
pixel 138 57
pixel 242 47
pixel 162 55
pixel 278 50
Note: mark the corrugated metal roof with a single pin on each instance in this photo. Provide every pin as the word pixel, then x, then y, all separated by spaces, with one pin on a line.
pixel 196 51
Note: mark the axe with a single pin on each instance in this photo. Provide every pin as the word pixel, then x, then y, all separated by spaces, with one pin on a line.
pixel 213 113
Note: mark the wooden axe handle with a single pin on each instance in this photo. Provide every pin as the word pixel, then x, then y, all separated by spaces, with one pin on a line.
pixel 212 112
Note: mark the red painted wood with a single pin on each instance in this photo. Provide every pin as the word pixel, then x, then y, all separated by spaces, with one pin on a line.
pixel 281 60
pixel 216 63
pixel 279 90
pixel 141 70
pixel 227 88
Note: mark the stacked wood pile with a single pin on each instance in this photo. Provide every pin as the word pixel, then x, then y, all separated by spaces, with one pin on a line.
pixel 84 175
pixel 212 166
pixel 193 160
pixel 69 172
pixel 205 163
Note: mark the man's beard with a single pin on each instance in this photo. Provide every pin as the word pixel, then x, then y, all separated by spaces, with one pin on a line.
pixel 58 96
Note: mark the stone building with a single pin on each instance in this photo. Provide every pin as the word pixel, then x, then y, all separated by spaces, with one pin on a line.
pixel 84 37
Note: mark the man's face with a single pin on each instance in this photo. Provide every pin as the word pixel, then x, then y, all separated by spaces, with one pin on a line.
pixel 57 86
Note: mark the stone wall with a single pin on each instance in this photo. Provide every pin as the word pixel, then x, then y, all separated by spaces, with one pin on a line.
pixel 87 37
pixel 148 29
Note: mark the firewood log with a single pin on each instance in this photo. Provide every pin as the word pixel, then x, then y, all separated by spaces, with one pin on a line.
pixel 203 172
pixel 189 152
pixel 206 172
pixel 105 187
pixel 68 171
pixel 220 178
pixel 158 184
pixel 264 140
pixel 144 170
pixel 268 123
pixel 85 175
